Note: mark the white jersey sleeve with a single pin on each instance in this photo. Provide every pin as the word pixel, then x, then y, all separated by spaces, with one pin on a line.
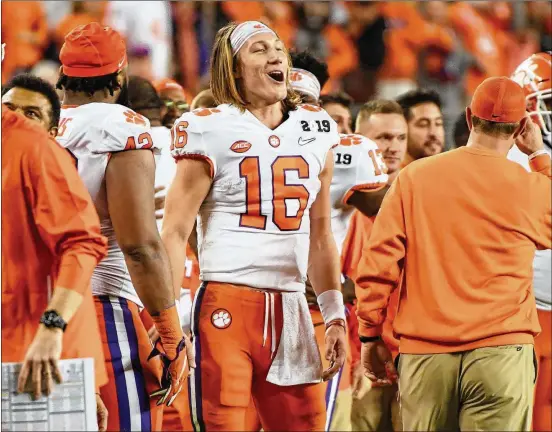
pixel 188 140
pixel 126 131
pixel 358 167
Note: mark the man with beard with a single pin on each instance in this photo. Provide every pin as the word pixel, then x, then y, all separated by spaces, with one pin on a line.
pixel 426 133
pixel 109 143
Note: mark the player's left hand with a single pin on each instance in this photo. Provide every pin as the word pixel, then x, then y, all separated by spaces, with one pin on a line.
pixel 335 349
pixel 101 414
pixel 41 363
pixel 174 369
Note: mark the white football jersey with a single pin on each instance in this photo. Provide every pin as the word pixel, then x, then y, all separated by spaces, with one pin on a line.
pixel 91 133
pixel 542 264
pixel 358 166
pixel 253 227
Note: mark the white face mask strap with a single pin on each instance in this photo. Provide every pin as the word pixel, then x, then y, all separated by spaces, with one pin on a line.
pixel 245 31
pixel 304 82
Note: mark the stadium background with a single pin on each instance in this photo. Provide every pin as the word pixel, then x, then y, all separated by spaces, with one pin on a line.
pixel 372 48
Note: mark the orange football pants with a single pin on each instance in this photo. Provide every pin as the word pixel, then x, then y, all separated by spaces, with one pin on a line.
pixel 233 359
pixel 131 376
pixel 542 411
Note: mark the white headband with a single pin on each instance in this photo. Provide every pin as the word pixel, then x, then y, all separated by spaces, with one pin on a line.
pixel 246 30
pixel 304 82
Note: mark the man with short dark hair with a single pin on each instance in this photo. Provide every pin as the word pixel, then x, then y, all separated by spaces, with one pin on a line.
pixel 338 106
pixel 383 122
pixel 34 98
pixel 426 132
pixel 466 309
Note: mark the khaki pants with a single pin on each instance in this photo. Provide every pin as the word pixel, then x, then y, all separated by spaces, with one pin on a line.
pixel 486 389
pixel 377 411
pixel 341 420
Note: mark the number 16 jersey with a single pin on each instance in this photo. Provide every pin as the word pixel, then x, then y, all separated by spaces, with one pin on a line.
pixel 253 227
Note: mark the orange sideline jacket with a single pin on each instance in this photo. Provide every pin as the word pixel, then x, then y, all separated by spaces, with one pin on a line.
pixel 464 226
pixel 50 236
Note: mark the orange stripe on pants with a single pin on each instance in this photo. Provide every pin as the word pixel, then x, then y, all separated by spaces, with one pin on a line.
pixel 232 365
pixel 542 411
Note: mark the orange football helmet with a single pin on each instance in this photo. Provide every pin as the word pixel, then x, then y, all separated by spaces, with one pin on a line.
pixel 535 75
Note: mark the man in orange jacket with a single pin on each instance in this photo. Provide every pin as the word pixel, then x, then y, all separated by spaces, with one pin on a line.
pixel 466 311
pixel 50 239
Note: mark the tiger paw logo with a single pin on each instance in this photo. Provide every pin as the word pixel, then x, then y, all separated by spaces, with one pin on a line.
pixel 204 112
pixel 274 141
pixel 311 108
pixel 349 140
pixel 132 117
pixel 295 76
pixel 221 319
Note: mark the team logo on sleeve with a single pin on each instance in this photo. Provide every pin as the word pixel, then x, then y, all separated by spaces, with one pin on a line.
pixel 274 141
pixel 240 146
pixel 204 112
pixel 221 318
pixel 133 117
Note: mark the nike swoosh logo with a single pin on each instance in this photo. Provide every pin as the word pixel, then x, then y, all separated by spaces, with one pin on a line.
pixel 122 62
pixel 303 141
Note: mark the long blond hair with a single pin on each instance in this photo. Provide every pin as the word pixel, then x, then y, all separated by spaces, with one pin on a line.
pixel 223 67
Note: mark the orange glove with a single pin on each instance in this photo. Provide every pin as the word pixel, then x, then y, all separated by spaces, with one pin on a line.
pixel 175 350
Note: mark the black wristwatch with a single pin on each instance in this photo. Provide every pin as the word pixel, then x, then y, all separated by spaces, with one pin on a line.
pixel 51 319
pixel 364 339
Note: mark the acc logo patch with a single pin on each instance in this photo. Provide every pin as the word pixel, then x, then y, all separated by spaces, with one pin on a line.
pixel 240 146
pixel 274 141
pixel 221 318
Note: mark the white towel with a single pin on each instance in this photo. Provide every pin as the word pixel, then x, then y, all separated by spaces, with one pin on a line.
pixel 297 360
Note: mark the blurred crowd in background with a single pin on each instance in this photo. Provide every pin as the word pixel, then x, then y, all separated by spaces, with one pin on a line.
pixel 373 48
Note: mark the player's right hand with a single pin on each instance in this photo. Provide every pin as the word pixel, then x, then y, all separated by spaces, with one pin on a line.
pixel 378 364
pixel 40 366
pixel 174 369
pixel 530 140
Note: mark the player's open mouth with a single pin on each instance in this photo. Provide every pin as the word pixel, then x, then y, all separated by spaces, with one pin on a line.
pixel 277 76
